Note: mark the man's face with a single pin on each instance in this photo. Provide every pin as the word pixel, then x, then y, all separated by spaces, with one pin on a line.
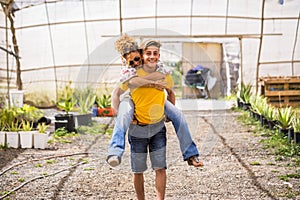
pixel 151 56
pixel 134 59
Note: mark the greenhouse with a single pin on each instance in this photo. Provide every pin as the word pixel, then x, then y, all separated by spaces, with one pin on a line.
pixel 46 44
pixel 235 71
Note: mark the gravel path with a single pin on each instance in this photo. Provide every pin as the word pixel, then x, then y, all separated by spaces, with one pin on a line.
pixel 79 171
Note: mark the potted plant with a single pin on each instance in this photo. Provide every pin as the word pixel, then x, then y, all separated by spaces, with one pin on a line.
pixel 66 103
pixel 296 127
pixel 104 103
pixel 244 95
pixel 85 104
pixel 270 115
pixel 65 120
pixel 12 135
pixel 31 114
pixel 257 106
pixel 285 117
pixel 40 138
pixel 2 133
pixel 26 134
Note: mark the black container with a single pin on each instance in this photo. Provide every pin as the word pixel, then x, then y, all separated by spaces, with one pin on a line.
pixel 297 137
pixel 66 121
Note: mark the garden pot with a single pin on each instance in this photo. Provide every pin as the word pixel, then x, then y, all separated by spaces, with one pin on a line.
pixel 271 124
pixel 290 134
pixel 26 139
pixel 239 103
pixel 246 106
pixel 40 140
pixel 257 116
pixel 2 138
pixel 105 112
pixel 65 120
pixel 83 119
pixel 13 139
pixel 297 137
pixel 252 113
pixel 284 132
pixel 263 121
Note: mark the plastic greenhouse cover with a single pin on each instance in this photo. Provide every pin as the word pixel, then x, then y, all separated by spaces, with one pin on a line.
pixel 77 37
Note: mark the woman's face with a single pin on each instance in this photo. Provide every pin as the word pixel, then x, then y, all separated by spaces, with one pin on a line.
pixel 134 59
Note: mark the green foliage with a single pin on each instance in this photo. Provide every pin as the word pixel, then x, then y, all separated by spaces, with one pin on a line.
pixel 287 176
pixel 296 124
pixel 280 146
pixel 66 101
pixel 21 180
pixel 104 101
pixel 51 161
pixel 255 163
pixel 285 117
pixel 272 141
pixel 245 93
pixel 258 104
pixel 30 113
pixel 60 132
pixel 86 102
pixel 67 105
pixel 66 93
pixel 85 98
pixel 42 127
pixel 38 165
pixel 14 126
pixel 270 112
pixel 26 125
pixel 10 117
pixel 94 129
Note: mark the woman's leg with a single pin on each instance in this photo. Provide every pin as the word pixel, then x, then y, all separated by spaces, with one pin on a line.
pixel 122 122
pixel 187 146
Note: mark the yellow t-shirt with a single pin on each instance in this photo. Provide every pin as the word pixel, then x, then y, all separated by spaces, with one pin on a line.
pixel 148 102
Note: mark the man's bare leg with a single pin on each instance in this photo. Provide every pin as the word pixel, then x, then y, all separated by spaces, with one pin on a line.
pixel 138 180
pixel 160 183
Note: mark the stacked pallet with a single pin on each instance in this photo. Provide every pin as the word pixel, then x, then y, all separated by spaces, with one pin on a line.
pixel 281 90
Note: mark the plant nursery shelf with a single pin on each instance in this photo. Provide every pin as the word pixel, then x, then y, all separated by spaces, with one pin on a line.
pixel 281 90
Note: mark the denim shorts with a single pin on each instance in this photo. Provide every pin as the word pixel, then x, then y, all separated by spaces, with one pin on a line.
pixel 155 145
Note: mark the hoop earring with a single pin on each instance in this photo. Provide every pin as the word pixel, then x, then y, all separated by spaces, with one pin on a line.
pixel 123 62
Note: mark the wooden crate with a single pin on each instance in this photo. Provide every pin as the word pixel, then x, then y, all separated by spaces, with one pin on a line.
pixel 281 91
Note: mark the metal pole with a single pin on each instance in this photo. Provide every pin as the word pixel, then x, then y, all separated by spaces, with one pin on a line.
pixel 120 15
pixel 7 58
pixel 260 44
pixel 295 43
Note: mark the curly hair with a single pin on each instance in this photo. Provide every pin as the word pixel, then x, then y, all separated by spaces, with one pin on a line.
pixel 126 44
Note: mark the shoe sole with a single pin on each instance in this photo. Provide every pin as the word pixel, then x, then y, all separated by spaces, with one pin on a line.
pixel 113 163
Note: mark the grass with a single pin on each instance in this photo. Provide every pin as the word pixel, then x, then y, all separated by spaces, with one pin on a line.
pixel 272 139
pixel 278 145
pixel 255 163
pixel 94 129
pixel 287 176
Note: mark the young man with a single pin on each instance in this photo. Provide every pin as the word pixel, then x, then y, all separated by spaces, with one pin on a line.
pixel 129 50
pixel 147 132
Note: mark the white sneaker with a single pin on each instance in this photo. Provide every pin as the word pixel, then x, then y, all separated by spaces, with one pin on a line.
pixel 113 161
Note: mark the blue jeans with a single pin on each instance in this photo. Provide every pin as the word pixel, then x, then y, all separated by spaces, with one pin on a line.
pixel 126 108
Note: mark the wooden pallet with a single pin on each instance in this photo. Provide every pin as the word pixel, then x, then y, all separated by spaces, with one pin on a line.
pixel 281 91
